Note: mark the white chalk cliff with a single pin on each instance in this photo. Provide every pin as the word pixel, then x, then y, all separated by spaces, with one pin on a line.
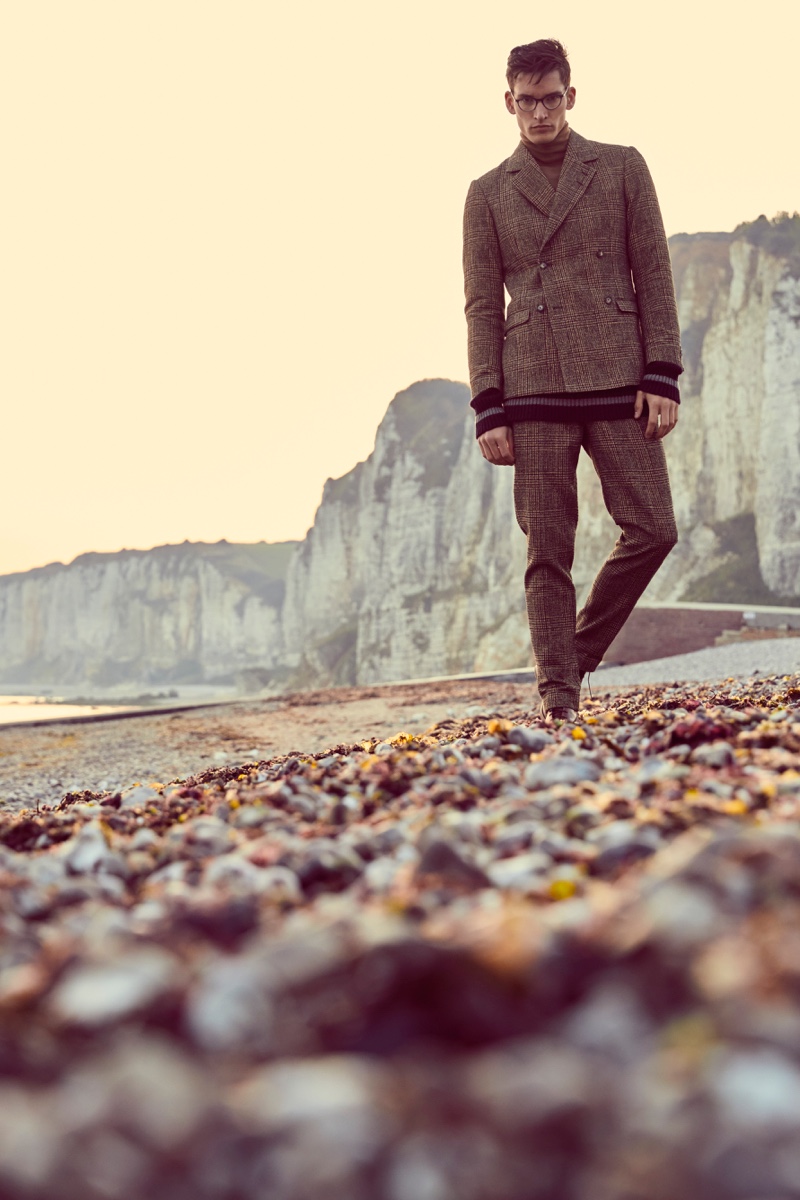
pixel 414 564
pixel 400 579
pixel 184 613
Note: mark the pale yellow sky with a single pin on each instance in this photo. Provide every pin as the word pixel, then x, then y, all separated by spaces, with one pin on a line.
pixel 231 229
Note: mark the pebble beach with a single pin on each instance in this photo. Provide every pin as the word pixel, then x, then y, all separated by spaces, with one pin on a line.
pixel 460 954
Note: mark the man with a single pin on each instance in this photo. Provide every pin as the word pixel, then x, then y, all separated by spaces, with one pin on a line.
pixel 588 355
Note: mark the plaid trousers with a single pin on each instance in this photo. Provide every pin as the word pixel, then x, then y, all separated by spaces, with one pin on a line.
pixel 635 483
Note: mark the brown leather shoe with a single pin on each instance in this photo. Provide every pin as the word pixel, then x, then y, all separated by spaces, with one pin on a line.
pixel 553 716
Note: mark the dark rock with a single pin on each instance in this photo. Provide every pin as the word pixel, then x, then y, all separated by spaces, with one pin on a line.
pixel 441 861
pixel 380 843
pixel 329 868
pixel 479 779
pixel 514 838
pixel 581 818
pixel 224 921
pixel 615 859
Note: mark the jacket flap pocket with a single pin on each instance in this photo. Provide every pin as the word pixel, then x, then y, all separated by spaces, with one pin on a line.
pixel 517 318
pixel 628 305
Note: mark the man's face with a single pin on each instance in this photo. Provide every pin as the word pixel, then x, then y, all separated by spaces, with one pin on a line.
pixel 541 124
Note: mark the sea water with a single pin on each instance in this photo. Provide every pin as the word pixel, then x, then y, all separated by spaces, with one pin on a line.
pixel 20 708
pixel 17 709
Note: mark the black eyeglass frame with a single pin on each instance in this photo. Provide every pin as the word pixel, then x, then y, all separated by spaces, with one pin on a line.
pixel 540 100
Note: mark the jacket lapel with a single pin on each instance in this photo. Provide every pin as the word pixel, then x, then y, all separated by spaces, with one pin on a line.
pixel 577 172
pixel 529 180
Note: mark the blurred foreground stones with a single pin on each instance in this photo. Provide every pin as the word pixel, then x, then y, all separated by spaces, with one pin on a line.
pixel 499 961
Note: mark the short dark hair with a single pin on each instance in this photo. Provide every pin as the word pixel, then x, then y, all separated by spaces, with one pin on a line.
pixel 537 59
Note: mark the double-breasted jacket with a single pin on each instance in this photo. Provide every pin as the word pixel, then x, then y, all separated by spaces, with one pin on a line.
pixel 586 269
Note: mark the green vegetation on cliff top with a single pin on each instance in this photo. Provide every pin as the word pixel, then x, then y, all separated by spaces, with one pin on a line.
pixel 779 236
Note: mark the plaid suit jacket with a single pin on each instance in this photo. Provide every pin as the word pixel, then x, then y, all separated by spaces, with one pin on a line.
pixel 587 270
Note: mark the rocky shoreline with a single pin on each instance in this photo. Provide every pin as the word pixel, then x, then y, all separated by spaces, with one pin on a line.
pixel 488 961
pixel 41 764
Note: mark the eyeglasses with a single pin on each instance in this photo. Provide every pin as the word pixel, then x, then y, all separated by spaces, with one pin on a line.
pixel 551 101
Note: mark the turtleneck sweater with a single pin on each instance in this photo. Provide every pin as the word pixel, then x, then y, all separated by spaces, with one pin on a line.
pixel 660 378
pixel 550 155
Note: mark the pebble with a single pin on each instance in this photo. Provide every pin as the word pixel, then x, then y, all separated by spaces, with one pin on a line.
pixel 441 861
pixel 89 852
pixel 568 771
pixel 531 740
pixel 143 839
pixel 95 994
pixel 520 871
pixel 139 796
pixel 491 960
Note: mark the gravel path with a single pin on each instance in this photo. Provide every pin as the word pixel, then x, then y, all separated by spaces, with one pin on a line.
pixel 42 764
pixel 769 656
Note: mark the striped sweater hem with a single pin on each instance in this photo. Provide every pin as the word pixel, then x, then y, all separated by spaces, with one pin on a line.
pixel 612 404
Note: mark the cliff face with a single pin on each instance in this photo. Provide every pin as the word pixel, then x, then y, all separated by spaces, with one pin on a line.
pixel 174 614
pixel 414 561
pixel 414 564
pixel 736 453
pixel 402 578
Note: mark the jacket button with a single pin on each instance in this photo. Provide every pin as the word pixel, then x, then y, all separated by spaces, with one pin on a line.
pixel 608 299
pixel 601 254
pixel 543 265
pixel 540 308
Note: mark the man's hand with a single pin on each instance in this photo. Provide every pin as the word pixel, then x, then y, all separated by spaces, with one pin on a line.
pixel 497 446
pixel 662 414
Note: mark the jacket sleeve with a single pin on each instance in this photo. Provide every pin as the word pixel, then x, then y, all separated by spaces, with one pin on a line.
pixel 485 309
pixel 648 255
